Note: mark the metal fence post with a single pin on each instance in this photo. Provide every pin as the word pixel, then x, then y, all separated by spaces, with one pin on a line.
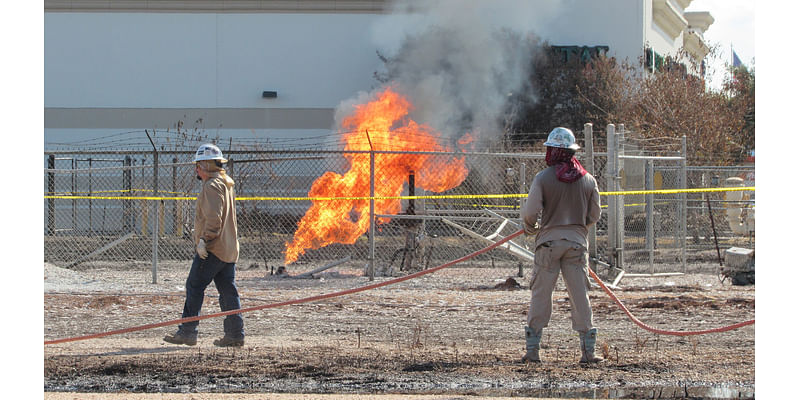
pixel 74 193
pixel 90 196
pixel 619 144
pixel 155 217
pixel 145 211
pixel 589 146
pixel 174 191
pixel 127 214
pixel 611 178
pixel 371 214
pixel 155 209
pixel 51 189
pixel 648 185
pixel 523 188
pixel 683 206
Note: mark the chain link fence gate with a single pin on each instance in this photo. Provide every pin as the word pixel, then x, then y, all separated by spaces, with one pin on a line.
pixel 647 234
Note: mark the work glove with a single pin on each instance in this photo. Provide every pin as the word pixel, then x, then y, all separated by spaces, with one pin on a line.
pixel 201 249
pixel 531 230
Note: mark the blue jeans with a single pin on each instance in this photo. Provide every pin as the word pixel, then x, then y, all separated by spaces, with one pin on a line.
pixel 200 275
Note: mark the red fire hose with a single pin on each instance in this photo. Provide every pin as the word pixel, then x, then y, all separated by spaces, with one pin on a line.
pixel 662 331
pixel 286 303
pixel 386 283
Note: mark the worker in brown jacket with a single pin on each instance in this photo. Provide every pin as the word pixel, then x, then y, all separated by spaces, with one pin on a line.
pixel 569 202
pixel 217 250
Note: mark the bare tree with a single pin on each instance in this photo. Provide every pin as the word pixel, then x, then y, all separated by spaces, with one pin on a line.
pixel 668 100
pixel 668 103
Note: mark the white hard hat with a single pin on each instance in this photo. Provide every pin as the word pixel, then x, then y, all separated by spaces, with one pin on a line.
pixel 562 138
pixel 209 152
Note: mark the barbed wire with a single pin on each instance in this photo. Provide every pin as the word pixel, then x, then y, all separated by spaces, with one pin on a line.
pixel 183 140
pixel 335 140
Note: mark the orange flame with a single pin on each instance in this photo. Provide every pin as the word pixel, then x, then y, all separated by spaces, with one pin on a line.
pixel 382 123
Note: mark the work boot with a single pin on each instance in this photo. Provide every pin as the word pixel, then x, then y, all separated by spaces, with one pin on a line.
pixel 181 338
pixel 227 341
pixel 532 341
pixel 588 341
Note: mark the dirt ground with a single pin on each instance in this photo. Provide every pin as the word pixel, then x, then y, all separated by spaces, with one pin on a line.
pixel 458 332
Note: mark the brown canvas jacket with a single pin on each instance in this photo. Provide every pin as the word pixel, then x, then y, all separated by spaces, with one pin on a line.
pixel 215 219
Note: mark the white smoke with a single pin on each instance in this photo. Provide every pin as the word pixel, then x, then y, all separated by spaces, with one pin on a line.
pixel 459 61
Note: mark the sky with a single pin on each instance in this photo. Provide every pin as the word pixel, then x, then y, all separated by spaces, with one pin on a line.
pixel 734 28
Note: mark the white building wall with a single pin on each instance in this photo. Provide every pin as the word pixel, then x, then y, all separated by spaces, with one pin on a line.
pixel 107 72
pixel 206 60
pixel 655 37
pixel 616 23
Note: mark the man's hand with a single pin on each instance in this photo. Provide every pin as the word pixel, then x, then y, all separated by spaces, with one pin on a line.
pixel 531 230
pixel 201 249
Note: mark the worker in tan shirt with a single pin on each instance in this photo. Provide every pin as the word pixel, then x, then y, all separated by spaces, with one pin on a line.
pixel 569 202
pixel 217 250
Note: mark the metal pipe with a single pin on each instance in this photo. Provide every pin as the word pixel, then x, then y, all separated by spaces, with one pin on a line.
pixel 655 275
pixel 624 157
pixel 436 217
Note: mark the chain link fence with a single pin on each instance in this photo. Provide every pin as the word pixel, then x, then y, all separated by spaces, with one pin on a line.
pixel 138 207
pixel 676 229
pixel 718 221
pixel 651 224
pixel 108 207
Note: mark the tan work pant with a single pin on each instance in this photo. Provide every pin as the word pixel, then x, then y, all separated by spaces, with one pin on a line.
pixel 572 260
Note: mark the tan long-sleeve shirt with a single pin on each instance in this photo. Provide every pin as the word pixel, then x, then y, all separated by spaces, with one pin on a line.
pixel 215 219
pixel 568 209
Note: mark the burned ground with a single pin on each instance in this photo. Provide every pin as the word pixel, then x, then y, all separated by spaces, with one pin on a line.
pixel 458 331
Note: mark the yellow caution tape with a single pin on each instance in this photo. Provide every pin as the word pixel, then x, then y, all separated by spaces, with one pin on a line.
pixel 90 194
pixel 454 196
pixel 676 191
pixel 118 198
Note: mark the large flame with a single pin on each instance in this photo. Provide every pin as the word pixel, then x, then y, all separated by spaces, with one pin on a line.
pixel 383 124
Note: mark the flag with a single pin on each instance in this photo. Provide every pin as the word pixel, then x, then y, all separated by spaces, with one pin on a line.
pixel 736 61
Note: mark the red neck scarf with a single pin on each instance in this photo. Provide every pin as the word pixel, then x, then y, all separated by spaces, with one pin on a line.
pixel 568 169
